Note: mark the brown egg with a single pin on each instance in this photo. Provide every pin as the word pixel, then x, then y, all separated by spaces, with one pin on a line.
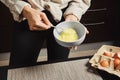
pixel 116 62
pixel 104 63
pixel 117 55
pixel 109 54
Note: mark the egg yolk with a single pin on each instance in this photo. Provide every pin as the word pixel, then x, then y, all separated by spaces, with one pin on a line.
pixel 68 35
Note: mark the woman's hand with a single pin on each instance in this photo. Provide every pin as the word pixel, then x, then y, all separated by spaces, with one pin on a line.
pixel 73 18
pixel 37 20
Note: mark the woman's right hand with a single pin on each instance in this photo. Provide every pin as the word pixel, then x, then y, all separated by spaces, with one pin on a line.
pixel 37 20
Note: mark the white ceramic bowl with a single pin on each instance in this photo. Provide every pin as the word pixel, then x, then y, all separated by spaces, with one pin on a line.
pixel 79 28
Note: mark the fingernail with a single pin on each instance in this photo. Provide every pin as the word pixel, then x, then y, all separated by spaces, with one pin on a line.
pixel 51 24
pixel 87 32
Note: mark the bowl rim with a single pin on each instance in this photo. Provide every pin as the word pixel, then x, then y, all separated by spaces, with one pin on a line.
pixel 75 40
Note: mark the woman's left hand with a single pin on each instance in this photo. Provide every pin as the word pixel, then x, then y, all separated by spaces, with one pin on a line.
pixel 73 18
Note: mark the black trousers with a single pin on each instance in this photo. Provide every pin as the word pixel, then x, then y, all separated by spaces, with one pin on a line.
pixel 26 44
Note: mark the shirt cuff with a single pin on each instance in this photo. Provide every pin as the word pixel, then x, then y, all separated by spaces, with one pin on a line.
pixel 18 7
pixel 74 10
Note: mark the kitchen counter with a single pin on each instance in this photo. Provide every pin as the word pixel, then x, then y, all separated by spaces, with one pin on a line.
pixel 68 70
pixel 86 52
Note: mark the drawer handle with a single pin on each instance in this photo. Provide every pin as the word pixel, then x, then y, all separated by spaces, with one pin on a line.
pixel 89 24
pixel 92 10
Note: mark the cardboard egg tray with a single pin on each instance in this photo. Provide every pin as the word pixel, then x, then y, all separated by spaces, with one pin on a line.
pixel 99 56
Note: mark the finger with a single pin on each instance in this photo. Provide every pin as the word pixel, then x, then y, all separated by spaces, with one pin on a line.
pixel 43 26
pixel 45 19
pixel 75 48
pixel 86 30
pixel 39 26
pixel 67 19
pixel 71 18
pixel 35 28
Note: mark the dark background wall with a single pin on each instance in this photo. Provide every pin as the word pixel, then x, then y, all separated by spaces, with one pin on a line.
pixel 6 21
pixel 102 20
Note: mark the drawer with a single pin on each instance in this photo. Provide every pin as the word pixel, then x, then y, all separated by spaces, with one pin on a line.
pixel 95 16
pixel 99 33
pixel 97 4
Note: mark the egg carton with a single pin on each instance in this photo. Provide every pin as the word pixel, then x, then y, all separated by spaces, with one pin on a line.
pixel 99 57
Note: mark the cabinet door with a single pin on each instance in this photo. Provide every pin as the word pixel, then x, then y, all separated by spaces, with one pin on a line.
pixel 102 21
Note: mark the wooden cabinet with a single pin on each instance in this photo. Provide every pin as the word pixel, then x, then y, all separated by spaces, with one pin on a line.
pixel 102 20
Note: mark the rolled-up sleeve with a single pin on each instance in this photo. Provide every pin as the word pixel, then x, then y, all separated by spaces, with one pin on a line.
pixel 77 8
pixel 16 7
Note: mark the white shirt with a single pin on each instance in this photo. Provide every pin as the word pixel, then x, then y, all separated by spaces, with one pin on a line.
pixel 76 7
